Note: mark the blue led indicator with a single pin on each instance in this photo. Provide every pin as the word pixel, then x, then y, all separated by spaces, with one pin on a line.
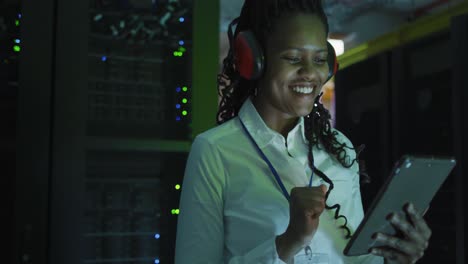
pixel 177 106
pixel 177 118
pixel 17 41
pixel 178 89
pixel 181 19
pixel 156 261
pixel 104 58
pixel 181 42
pixel 19 15
pixel 157 236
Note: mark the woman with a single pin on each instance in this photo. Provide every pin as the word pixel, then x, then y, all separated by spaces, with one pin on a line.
pixel 273 183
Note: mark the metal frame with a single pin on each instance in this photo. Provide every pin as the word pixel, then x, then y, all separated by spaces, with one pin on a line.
pixel 33 161
pixel 413 31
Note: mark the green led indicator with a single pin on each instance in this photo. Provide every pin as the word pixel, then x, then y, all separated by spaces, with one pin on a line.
pixel 173 211
pixel 184 100
pixel 177 211
pixel 184 88
pixel 177 187
pixel 178 54
pixel 184 113
pixel 182 49
pixel 17 22
pixel 16 48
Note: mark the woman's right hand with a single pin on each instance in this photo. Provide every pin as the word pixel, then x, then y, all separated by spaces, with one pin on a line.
pixel 305 207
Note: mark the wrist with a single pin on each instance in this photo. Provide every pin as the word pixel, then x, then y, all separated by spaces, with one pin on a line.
pixel 287 246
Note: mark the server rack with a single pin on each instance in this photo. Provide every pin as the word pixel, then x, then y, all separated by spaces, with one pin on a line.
pixel 105 124
pixel 423 113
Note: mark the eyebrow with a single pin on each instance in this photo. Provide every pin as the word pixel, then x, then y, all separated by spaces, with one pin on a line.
pixel 304 49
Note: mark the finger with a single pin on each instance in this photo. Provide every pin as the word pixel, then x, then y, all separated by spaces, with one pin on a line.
pixel 418 221
pixel 316 190
pixel 315 208
pixel 391 254
pixel 309 207
pixel 406 228
pixel 307 194
pixel 400 245
pixel 312 214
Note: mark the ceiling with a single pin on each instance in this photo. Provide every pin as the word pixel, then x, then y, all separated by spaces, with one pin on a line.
pixel 355 21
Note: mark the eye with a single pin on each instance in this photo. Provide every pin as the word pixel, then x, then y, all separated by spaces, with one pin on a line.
pixel 320 61
pixel 292 59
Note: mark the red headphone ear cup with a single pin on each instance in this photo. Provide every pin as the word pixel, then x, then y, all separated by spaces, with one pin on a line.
pixel 333 64
pixel 248 56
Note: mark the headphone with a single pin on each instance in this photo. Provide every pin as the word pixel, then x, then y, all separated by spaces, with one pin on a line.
pixel 249 59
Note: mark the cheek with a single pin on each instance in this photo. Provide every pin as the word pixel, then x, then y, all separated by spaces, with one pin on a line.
pixel 323 72
pixel 280 73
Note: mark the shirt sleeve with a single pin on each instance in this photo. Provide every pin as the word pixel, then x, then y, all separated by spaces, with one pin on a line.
pixel 200 227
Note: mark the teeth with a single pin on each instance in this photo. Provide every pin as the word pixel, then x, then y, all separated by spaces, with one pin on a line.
pixel 304 90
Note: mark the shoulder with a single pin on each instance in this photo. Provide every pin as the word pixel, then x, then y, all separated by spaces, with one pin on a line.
pixel 344 141
pixel 342 138
pixel 220 134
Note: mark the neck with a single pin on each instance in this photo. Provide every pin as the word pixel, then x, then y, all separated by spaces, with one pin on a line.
pixel 279 122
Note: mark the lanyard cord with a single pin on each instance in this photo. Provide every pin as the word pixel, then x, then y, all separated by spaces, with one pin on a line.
pixel 337 207
pixel 275 173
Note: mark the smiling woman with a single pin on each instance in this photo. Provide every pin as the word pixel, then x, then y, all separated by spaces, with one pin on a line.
pixel 296 70
pixel 250 193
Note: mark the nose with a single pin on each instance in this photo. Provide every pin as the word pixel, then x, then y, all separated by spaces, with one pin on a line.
pixel 310 71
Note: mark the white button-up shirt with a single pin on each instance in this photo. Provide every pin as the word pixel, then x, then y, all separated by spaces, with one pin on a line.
pixel 232 208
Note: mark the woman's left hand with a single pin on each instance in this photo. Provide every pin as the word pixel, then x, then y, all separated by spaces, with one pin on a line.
pixel 410 243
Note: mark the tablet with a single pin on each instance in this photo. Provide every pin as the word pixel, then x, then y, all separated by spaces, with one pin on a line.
pixel 413 179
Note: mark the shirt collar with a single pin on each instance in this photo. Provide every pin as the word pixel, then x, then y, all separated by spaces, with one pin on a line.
pixel 261 133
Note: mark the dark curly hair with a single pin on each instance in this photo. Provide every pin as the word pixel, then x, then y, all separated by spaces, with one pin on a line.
pixel 259 17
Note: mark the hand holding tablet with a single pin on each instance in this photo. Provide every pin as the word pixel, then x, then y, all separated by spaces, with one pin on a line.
pixel 414 180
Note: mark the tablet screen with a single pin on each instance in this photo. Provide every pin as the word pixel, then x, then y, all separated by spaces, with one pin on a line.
pixel 413 179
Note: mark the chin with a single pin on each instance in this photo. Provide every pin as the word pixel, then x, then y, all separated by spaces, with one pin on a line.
pixel 304 112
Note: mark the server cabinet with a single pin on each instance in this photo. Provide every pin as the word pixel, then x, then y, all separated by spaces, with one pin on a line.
pixel 423 112
pixel 459 55
pixel 10 50
pixel 363 114
pixel 104 128
pixel 423 124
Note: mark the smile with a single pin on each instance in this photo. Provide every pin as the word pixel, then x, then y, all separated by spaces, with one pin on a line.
pixel 303 90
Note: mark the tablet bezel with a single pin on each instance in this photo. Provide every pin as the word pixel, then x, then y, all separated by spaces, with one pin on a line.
pixel 355 246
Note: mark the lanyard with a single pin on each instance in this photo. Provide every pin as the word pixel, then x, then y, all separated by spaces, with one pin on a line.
pixel 275 173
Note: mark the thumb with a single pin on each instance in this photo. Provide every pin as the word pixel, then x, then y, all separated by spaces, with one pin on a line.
pixel 324 188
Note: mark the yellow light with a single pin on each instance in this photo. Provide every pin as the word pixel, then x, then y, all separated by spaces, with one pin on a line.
pixel 177 211
pixel 177 187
